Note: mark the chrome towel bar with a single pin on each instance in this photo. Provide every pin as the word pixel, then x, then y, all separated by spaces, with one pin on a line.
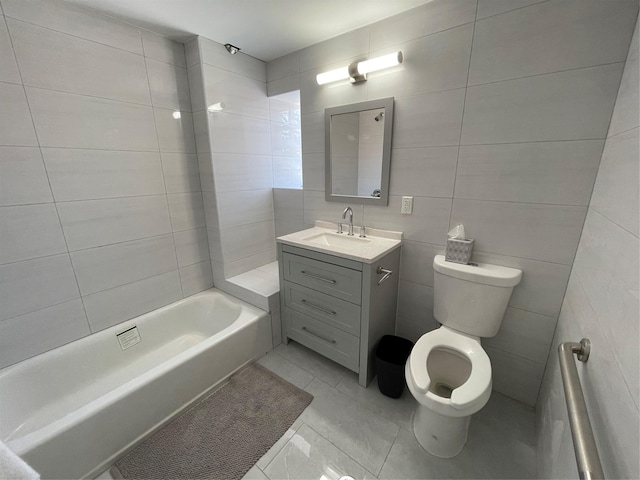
pixel 587 458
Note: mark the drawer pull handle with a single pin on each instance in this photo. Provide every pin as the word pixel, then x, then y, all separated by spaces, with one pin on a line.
pixel 317 277
pixel 323 310
pixel 328 340
pixel 387 273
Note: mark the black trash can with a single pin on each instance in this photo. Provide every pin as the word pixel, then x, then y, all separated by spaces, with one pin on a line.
pixel 391 355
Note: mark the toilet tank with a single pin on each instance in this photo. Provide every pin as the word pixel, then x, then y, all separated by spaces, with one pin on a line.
pixel 472 299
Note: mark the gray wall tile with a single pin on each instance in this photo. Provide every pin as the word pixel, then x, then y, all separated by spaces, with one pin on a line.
pixel 187 211
pixel 102 268
pixel 110 307
pixel 429 221
pixel 94 223
pixel 77 121
pixel 192 52
pixel 425 172
pixel 283 67
pixel 528 41
pixel 625 114
pixel 421 21
pixel 616 194
pixel 313 173
pixel 163 49
pixel 23 178
pixel 429 120
pixel 606 268
pixel 435 62
pixel 546 172
pixel 233 171
pixel 16 126
pixel 48 59
pixel 181 172
pixel 239 94
pixel 196 278
pixel 30 334
pixel 524 334
pixel 30 231
pixel 175 134
pixel 572 105
pixel 542 286
pixel 244 207
pixel 35 284
pixel 514 376
pixel 416 261
pixel 489 8
pixel 539 232
pixel 287 204
pixel 230 134
pixel 9 71
pixel 80 174
pixel 348 45
pixel 192 246
pixel 196 87
pixel 245 240
pixel 215 54
pixel 169 85
pixel 77 21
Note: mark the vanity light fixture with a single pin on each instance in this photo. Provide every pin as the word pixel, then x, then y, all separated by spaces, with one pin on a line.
pixel 232 49
pixel 357 71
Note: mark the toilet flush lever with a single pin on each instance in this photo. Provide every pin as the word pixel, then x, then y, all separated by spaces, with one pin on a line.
pixel 387 273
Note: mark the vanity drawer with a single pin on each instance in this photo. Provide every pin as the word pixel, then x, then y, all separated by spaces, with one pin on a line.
pixel 331 310
pixel 329 341
pixel 334 280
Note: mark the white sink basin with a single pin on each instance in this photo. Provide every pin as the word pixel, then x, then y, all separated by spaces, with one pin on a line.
pixel 324 238
pixel 348 242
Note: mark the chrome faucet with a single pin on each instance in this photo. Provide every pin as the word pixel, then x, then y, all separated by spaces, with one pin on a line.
pixel 344 216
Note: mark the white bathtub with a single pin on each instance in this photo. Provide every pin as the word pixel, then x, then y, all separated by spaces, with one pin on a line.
pixel 73 411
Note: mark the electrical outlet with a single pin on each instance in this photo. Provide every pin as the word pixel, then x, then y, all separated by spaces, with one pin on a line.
pixel 407 206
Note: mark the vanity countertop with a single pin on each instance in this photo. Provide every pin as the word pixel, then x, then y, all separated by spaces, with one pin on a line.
pixel 324 238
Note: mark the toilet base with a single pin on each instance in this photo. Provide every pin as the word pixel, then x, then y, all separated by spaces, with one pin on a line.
pixel 441 436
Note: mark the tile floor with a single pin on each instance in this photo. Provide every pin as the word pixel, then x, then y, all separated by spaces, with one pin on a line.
pixel 349 430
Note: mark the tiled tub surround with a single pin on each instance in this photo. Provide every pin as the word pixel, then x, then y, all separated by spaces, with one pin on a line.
pixel 234 153
pixel 101 211
pixel 501 115
pixel 601 304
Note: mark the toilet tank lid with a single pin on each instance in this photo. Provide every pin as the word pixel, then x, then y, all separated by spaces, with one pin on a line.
pixel 485 273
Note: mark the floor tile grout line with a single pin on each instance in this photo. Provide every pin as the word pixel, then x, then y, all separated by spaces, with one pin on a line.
pixel 337 447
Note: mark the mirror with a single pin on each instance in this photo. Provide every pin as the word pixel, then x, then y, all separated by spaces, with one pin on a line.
pixel 358 152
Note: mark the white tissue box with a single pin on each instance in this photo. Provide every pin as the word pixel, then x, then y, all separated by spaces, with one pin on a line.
pixel 459 251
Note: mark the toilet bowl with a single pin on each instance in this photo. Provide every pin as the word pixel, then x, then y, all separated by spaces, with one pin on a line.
pixel 448 372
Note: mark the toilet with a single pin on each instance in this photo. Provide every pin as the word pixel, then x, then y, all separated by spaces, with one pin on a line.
pixel 448 372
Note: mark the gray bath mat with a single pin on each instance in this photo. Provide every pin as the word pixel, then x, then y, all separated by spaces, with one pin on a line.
pixel 223 436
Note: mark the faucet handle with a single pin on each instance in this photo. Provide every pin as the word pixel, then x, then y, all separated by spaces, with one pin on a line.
pixel 362 228
pixel 339 228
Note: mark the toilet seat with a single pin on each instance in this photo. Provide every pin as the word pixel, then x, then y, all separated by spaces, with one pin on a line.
pixel 469 397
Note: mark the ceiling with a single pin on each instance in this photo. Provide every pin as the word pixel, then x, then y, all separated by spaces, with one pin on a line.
pixel 265 29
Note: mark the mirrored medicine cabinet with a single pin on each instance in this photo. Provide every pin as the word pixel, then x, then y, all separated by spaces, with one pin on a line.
pixel 358 152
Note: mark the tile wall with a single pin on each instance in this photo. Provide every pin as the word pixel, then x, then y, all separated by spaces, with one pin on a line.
pixel 234 152
pixel 286 140
pixel 601 304
pixel 101 212
pixel 502 110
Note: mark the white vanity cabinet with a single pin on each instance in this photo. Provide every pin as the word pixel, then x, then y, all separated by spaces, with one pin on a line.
pixel 337 306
